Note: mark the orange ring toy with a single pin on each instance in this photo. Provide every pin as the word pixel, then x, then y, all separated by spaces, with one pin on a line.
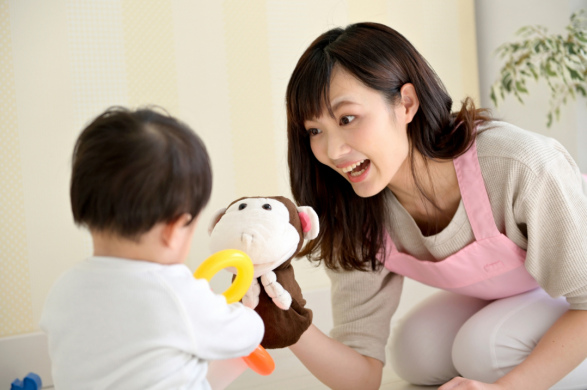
pixel 260 361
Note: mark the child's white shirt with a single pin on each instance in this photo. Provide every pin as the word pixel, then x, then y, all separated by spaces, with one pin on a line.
pixel 125 324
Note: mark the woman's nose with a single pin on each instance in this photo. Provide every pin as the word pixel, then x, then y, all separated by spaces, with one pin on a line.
pixel 337 146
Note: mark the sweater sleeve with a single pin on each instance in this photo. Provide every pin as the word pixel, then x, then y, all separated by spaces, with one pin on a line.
pixel 362 306
pixel 552 208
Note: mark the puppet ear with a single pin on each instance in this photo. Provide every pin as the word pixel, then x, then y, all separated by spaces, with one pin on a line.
pixel 215 218
pixel 310 223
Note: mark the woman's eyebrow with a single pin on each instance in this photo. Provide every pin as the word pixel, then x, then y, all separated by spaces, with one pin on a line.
pixel 344 100
pixel 310 122
pixel 338 102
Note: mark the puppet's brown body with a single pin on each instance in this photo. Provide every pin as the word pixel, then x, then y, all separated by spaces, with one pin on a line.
pixel 282 327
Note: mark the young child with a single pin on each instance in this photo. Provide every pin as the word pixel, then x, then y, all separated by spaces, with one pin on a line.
pixel 132 316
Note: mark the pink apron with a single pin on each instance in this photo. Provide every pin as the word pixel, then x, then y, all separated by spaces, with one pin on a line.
pixel 489 268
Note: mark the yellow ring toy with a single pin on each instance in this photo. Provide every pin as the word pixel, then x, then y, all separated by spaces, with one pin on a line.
pixel 259 360
pixel 225 259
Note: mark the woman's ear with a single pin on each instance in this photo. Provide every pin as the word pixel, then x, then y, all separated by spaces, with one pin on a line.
pixel 409 101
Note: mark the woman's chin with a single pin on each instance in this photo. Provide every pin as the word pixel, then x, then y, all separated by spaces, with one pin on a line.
pixel 366 191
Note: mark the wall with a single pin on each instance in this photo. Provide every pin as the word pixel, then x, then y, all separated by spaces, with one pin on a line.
pixel 496 23
pixel 221 66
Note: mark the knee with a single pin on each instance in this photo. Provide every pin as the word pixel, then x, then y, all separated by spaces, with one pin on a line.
pixel 500 336
pixel 420 350
pixel 474 355
pixel 416 355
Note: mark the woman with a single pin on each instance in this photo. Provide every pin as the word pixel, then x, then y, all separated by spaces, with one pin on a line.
pixel 493 214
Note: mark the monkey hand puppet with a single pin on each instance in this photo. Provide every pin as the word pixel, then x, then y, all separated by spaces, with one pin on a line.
pixel 271 231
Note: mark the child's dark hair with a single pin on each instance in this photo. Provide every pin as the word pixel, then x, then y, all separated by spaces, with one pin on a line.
pixel 352 229
pixel 134 169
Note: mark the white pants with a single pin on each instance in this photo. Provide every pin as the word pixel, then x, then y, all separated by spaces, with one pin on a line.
pixel 448 335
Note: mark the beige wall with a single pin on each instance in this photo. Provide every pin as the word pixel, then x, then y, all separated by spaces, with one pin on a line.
pixel 221 66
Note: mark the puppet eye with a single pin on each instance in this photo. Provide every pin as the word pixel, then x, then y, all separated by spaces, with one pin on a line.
pixel 242 206
pixel 267 206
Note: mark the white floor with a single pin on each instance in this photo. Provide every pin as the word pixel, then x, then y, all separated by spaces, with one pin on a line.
pixel 290 374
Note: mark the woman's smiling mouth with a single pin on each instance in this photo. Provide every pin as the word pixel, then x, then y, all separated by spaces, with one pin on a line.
pixel 357 168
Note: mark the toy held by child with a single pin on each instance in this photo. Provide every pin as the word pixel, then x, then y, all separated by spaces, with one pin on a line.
pixel 132 315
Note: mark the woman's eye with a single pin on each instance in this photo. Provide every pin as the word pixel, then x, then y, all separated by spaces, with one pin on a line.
pixel 345 120
pixel 314 131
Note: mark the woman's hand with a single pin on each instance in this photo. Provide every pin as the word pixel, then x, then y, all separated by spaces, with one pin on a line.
pixel 559 351
pixel 459 383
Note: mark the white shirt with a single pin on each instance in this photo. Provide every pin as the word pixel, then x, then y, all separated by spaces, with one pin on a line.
pixel 125 324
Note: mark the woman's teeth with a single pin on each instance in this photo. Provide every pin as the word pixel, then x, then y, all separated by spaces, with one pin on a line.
pixel 350 168
pixel 357 173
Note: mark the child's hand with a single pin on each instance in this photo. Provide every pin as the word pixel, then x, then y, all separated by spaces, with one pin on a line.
pixel 251 297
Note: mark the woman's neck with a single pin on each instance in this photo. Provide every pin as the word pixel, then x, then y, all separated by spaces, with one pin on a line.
pixel 432 202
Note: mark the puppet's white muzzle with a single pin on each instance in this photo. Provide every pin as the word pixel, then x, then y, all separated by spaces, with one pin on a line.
pixel 247 240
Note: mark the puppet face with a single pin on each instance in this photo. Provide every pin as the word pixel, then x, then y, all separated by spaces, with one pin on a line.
pixel 260 227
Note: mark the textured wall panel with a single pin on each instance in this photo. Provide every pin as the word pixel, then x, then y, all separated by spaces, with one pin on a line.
pixel 150 53
pixel 250 97
pixel 96 45
pixel 15 289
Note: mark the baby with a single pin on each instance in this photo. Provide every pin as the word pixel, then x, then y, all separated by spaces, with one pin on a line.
pixel 132 316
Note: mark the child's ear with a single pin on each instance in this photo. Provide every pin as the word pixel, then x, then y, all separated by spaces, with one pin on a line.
pixel 173 231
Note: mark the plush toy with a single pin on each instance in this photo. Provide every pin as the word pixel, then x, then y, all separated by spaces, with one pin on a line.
pixel 271 231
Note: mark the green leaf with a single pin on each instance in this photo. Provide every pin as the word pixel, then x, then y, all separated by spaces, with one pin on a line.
pixel 494 98
pixel 575 75
pixel 549 70
pixel 506 82
pixel 520 87
pixel 522 30
pixel 508 85
pixel 570 48
pixel 532 69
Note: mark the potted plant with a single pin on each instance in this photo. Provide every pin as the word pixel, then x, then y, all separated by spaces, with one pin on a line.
pixel 559 60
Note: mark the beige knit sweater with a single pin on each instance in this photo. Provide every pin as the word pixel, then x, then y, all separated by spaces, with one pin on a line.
pixel 539 201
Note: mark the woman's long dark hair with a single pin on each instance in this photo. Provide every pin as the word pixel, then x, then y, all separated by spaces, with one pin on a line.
pixel 352 229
